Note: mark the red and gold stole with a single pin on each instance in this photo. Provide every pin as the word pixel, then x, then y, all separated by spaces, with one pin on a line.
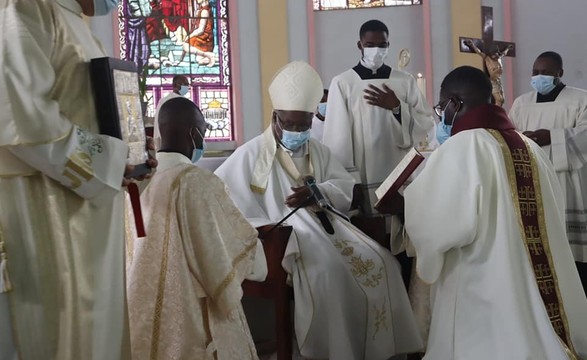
pixel 524 180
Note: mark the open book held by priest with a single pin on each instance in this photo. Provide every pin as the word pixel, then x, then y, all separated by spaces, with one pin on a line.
pixel 390 200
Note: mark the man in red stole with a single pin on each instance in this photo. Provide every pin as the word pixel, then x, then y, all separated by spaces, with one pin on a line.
pixel 486 218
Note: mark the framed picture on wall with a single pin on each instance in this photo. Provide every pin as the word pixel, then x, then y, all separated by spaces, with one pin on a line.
pixel 118 105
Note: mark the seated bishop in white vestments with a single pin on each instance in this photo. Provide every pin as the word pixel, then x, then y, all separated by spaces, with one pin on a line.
pixel 350 301
pixel 184 277
pixel 62 292
pixel 486 217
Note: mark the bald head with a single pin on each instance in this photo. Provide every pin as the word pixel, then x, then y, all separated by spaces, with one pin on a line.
pixel 180 122
pixel 468 84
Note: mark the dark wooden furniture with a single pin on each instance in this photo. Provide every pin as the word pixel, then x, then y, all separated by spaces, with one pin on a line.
pixel 275 287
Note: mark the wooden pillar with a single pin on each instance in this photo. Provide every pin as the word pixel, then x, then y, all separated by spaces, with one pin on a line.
pixel 273 46
pixel 465 21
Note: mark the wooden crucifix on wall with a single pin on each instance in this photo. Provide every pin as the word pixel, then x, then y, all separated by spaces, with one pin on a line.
pixel 491 51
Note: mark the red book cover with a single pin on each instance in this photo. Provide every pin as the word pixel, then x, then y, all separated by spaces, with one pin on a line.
pixel 388 190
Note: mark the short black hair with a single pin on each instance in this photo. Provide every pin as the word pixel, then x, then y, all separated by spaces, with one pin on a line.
pixel 373 25
pixel 558 60
pixel 181 113
pixel 469 83
pixel 177 79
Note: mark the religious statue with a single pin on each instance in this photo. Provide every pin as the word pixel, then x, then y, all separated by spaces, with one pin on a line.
pixel 493 67
pixel 403 59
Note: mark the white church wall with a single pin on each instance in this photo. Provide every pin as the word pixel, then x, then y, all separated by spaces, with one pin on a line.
pixel 440 20
pixel 543 25
pixel 102 29
pixel 298 30
pixel 250 73
pixel 337 33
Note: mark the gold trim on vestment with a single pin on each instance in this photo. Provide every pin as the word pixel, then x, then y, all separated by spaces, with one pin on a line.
pixel 44 142
pixel 11 176
pixel 546 244
pixel 290 167
pixel 300 259
pixel 510 169
pixel 373 246
pixel 163 270
pixel 224 284
pixel 258 190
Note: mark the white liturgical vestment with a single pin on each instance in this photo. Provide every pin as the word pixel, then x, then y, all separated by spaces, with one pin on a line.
pixel 566 118
pixel 350 301
pixel 369 140
pixel 462 221
pixel 61 209
pixel 184 277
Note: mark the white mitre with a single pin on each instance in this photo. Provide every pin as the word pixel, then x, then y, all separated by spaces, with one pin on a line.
pixel 296 86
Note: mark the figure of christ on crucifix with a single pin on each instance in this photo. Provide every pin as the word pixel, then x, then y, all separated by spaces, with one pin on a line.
pixel 493 68
pixel 491 52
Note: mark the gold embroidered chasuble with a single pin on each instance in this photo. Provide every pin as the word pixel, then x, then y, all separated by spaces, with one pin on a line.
pixel 184 278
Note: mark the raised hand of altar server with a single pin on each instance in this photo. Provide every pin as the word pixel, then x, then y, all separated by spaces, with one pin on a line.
pixel 151 162
pixel 384 98
pixel 300 195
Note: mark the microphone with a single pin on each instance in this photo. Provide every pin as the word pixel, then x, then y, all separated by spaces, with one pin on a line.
pixel 310 183
pixel 324 203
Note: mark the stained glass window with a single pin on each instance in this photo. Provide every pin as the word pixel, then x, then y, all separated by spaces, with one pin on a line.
pixel 182 37
pixel 355 4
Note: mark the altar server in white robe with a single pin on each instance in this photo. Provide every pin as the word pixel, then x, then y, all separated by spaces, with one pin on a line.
pixel 375 114
pixel 184 277
pixel 181 87
pixel 486 217
pixel 350 302
pixel 555 117
pixel 62 291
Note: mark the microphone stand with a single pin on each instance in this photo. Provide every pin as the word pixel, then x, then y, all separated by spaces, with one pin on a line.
pixel 331 208
pixel 306 202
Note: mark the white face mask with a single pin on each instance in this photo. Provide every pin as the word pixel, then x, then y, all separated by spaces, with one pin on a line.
pixel 373 57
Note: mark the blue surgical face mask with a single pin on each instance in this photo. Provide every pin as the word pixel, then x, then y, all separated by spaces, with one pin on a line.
pixel 104 7
pixel 293 140
pixel 183 90
pixel 198 153
pixel 442 130
pixel 322 109
pixel 544 84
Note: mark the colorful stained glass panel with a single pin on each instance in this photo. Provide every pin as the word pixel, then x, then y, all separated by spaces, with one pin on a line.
pixel 166 38
pixel 355 4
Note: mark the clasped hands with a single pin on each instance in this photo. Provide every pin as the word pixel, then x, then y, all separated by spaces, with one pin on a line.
pixel 540 136
pixel 384 97
pixel 299 197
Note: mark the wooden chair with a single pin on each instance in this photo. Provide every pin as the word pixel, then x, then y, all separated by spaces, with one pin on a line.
pixel 275 287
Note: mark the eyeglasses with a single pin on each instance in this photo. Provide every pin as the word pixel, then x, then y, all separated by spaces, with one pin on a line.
pixel 439 109
pixel 295 128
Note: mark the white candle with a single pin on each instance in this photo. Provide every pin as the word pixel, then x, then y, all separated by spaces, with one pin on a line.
pixel 421 82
